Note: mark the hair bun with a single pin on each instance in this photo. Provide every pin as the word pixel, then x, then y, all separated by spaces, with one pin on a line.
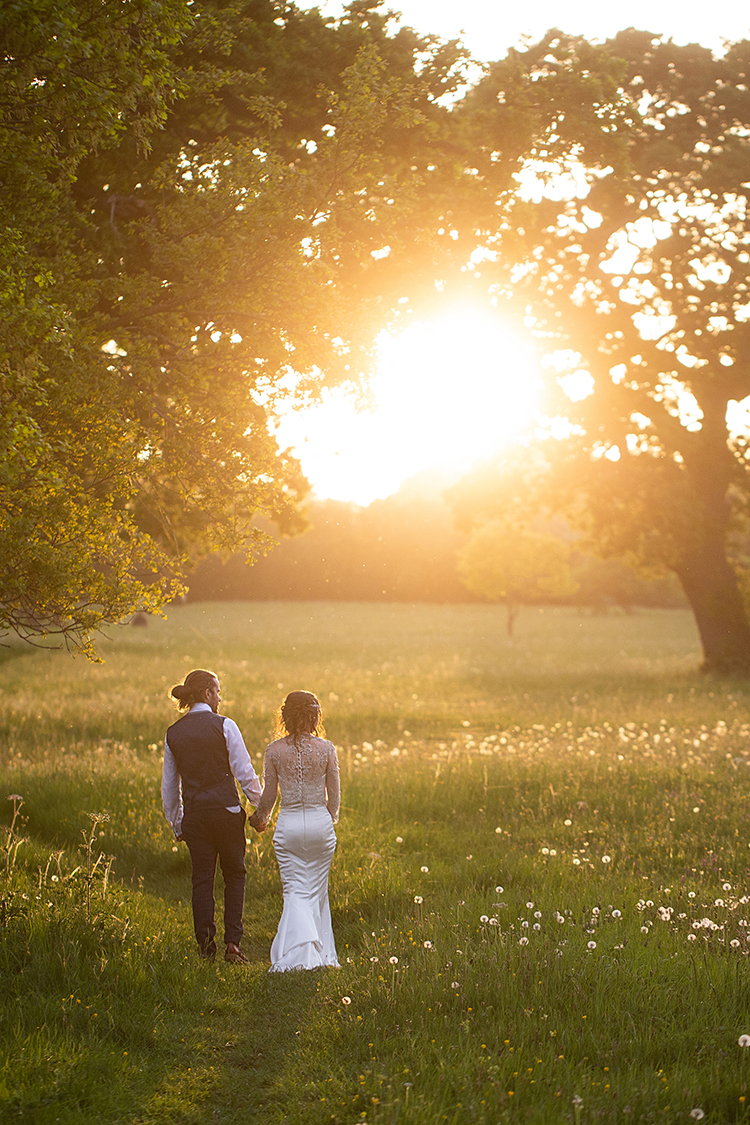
pixel 180 692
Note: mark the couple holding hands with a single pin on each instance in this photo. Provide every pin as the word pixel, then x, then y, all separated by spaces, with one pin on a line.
pixel 204 757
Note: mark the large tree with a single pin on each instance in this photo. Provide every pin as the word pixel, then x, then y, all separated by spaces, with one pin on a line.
pixel 193 196
pixel 635 281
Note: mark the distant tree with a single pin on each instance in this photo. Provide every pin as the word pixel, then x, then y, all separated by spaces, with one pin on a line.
pixel 513 565
pixel 636 283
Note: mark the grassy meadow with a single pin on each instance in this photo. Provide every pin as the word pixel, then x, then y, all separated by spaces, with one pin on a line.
pixel 540 894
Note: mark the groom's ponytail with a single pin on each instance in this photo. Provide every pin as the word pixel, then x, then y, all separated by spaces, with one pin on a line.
pixel 194 688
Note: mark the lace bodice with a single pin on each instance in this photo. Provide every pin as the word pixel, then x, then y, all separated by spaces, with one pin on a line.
pixel 308 775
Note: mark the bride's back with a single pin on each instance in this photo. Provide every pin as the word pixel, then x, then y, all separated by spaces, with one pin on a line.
pixel 301 768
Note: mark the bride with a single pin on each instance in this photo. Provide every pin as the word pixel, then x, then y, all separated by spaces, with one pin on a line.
pixel 306 769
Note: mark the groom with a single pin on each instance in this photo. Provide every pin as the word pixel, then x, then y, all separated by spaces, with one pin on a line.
pixel 204 753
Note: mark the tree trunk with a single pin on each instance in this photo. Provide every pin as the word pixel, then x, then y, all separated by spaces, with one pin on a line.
pixel 710 585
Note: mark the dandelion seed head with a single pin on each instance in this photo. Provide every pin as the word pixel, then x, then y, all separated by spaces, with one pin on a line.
pixel 498 890
pixel 567 823
pixel 606 859
pixel 744 1040
pixel 691 894
pixel 644 929
pixel 346 1000
pixel 617 914
pixel 427 944
pixel 424 870
pixel 399 839
pixel 483 918
pixel 498 831
pixel 591 945
pixel 726 886
pixel 697 1114
pixel 523 941
pixel 393 960
pixel 418 899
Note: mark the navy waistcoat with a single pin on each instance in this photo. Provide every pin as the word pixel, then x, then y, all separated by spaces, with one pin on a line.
pixel 200 753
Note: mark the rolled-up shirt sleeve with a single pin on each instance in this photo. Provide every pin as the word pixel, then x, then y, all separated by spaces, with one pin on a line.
pixel 171 791
pixel 240 764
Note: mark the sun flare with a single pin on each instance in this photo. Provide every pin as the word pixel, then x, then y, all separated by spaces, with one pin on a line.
pixel 447 393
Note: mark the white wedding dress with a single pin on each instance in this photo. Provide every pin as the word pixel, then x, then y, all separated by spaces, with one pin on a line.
pixel 304 841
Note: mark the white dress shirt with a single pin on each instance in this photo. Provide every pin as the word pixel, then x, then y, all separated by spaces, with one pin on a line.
pixel 239 764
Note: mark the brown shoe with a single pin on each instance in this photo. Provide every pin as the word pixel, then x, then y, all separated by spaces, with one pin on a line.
pixel 234 955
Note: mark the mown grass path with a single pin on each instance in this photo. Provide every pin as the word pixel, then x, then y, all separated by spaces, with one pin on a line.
pixel 540 894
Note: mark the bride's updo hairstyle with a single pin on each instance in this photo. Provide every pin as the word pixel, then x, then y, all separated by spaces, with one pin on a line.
pixel 299 715
pixel 193 690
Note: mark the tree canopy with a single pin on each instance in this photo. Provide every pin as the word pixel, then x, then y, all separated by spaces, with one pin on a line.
pixel 194 195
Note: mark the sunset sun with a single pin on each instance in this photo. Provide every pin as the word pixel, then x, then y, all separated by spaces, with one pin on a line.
pixel 447 392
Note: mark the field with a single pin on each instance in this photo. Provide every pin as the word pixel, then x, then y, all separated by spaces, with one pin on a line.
pixel 540 895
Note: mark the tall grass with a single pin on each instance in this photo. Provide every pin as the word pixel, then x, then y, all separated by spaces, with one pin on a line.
pixel 540 894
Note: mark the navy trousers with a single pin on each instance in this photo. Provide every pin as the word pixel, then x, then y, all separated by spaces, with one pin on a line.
pixel 210 833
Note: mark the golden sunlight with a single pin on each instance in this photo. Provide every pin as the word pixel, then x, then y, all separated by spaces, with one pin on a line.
pixel 447 393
